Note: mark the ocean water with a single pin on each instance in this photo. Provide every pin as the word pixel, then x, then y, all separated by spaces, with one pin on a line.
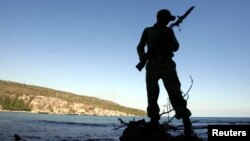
pixel 47 127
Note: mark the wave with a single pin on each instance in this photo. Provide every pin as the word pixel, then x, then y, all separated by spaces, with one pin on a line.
pixel 224 122
pixel 70 123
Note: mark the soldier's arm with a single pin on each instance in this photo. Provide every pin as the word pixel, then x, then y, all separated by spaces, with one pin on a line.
pixel 141 45
pixel 175 44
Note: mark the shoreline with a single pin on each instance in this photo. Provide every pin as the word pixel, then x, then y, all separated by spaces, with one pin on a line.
pixel 8 111
pixel 45 113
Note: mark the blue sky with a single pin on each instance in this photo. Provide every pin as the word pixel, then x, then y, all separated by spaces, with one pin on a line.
pixel 88 47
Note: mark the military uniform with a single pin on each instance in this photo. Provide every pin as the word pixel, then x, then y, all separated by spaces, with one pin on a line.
pixel 162 43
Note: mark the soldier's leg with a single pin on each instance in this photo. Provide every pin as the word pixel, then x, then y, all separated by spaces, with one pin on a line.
pixel 173 87
pixel 153 110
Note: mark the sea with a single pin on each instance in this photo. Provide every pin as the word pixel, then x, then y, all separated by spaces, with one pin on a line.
pixel 50 127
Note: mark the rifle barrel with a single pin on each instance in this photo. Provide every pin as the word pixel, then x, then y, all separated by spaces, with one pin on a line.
pixel 181 18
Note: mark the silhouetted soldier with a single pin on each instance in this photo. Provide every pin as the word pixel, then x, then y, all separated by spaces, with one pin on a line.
pixel 162 41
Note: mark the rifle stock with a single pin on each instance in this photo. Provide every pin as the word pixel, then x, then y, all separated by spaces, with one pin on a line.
pixel 144 61
pixel 141 64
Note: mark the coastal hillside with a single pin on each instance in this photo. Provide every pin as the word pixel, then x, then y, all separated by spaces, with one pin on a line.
pixel 22 97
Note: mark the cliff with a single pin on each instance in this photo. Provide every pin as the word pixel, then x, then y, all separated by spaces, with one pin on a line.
pixel 22 97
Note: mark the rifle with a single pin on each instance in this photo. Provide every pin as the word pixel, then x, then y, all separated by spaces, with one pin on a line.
pixel 144 61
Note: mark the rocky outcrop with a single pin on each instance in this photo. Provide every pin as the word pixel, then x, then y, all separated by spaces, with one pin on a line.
pixel 22 97
pixel 52 105
pixel 143 131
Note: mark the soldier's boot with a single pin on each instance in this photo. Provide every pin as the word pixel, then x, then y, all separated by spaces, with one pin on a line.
pixel 188 128
pixel 154 124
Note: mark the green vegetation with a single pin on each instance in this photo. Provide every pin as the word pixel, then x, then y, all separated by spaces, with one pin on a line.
pixel 10 91
pixel 13 104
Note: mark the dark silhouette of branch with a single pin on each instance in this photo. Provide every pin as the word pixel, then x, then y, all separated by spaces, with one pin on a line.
pixel 122 122
pixel 185 95
pixel 192 82
pixel 163 113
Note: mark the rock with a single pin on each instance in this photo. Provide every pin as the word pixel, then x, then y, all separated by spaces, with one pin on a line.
pixel 18 138
pixel 142 131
